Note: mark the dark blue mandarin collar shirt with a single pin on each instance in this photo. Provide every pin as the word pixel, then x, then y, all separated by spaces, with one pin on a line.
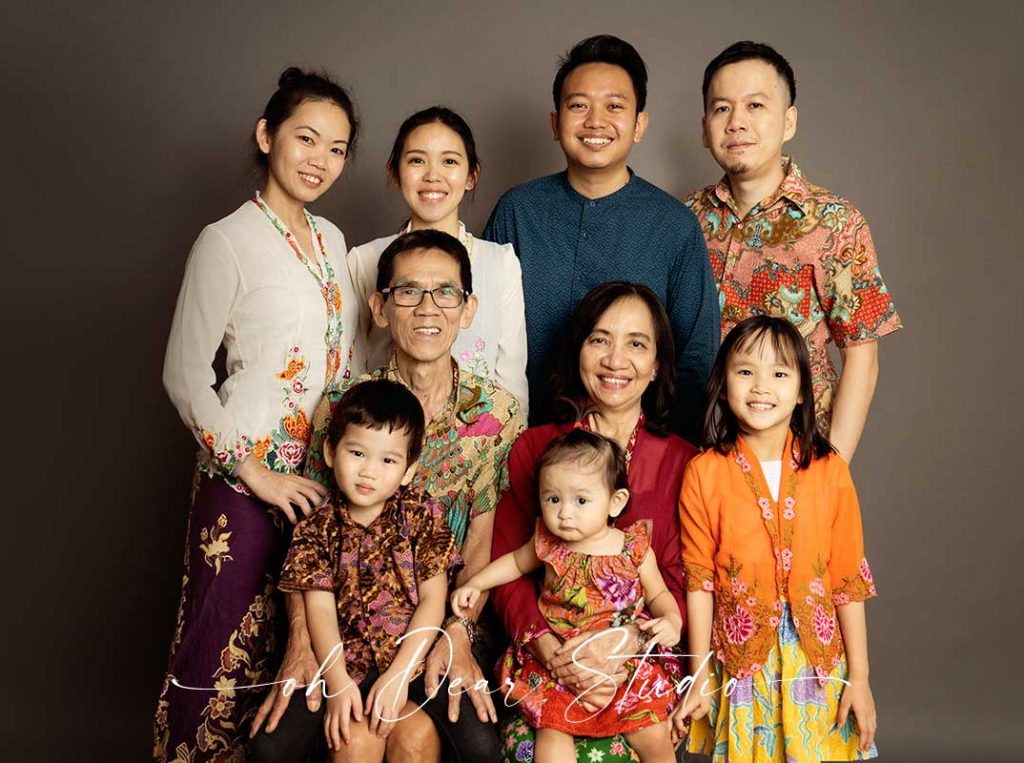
pixel 568 244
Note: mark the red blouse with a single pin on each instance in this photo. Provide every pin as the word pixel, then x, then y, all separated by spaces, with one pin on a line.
pixel 655 478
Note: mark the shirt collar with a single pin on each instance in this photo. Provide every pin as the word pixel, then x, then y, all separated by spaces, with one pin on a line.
pixel 793 188
pixel 579 198
pixel 447 413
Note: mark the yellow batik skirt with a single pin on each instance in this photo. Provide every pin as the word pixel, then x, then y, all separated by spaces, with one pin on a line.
pixel 781 714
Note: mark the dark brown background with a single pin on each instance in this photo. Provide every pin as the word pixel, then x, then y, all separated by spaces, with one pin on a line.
pixel 125 129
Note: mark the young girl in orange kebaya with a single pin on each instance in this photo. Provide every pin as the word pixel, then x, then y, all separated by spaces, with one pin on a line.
pixel 775 567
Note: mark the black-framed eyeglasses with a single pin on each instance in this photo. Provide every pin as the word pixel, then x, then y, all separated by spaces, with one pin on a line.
pixel 412 296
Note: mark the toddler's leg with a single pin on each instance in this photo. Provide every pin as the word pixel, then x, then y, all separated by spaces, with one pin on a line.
pixel 552 746
pixel 653 744
pixel 362 747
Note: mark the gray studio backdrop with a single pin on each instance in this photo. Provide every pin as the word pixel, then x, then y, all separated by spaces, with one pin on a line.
pixel 125 130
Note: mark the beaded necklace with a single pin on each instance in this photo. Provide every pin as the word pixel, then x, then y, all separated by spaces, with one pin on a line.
pixel 325 278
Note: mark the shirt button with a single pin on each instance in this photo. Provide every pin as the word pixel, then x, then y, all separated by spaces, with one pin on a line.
pixel 593 203
pixel 584 235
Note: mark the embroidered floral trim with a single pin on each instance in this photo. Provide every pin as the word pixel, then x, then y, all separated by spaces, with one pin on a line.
pixel 699 578
pixel 856 587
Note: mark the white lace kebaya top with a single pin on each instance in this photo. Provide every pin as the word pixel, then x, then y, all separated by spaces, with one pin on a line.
pixel 287 320
pixel 494 346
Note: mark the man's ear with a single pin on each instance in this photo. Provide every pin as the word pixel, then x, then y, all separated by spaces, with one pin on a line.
pixel 554 124
pixel 469 311
pixel 704 132
pixel 376 303
pixel 619 500
pixel 329 453
pixel 790 124
pixel 641 126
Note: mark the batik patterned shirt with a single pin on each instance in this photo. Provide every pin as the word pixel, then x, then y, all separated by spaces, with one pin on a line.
pixel 373 570
pixel 465 450
pixel 804 254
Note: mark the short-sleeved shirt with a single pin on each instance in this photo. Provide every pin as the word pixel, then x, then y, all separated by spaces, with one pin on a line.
pixel 803 253
pixel 373 570
pixel 465 449
pixel 568 244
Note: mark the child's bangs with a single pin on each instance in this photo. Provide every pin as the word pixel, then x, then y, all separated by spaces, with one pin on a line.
pixel 780 342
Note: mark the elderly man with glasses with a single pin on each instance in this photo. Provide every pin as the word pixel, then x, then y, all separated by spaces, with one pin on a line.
pixel 424 297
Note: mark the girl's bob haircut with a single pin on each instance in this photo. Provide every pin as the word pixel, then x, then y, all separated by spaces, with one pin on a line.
pixel 720 425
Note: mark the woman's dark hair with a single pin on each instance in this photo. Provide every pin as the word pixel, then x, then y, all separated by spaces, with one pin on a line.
pixel 380 404
pixel 720 425
pixel 588 449
pixel 427 238
pixel 434 115
pixel 603 49
pixel 745 50
pixel 571 396
pixel 295 87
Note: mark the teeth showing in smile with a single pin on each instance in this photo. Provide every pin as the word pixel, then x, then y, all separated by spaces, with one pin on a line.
pixel 591 141
pixel 432 195
pixel 310 178
pixel 615 382
pixel 760 406
pixel 428 331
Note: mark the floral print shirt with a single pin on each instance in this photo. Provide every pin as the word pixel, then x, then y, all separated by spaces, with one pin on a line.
pixel 372 570
pixel 286 324
pixel 754 553
pixel 465 449
pixel 805 254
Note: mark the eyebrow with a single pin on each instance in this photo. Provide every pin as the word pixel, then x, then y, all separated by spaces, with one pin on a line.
pixel 423 151
pixel 419 284
pixel 742 98
pixel 640 334
pixel 317 133
pixel 623 96
pixel 359 445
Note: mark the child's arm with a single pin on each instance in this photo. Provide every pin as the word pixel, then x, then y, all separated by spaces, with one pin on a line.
pixel 343 700
pixel 700 606
pixel 667 625
pixel 389 693
pixel 502 570
pixel 857 694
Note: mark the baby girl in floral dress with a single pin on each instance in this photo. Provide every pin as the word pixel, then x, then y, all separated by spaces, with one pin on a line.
pixel 596 577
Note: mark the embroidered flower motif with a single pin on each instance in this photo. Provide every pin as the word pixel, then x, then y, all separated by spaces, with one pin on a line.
pixel 789 502
pixel 816 587
pixel 292 453
pixel 708 586
pixel 742 461
pixel 763 503
pixel 787 559
pixel 739 626
pixel 824 625
pixel 751 601
pixel 865 571
pixel 738 586
pixel 773 621
pixel 840 599
pixel 788 514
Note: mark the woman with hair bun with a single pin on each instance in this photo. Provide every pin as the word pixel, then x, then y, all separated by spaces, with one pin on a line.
pixel 268 283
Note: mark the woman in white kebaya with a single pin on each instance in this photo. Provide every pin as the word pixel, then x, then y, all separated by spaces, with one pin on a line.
pixel 433 163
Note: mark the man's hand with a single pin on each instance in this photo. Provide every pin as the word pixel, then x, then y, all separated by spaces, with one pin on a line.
pixel 594 665
pixel 464 675
pixel 299 664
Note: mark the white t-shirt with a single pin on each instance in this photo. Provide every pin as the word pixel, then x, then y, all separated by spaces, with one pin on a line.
pixel 494 346
pixel 772 471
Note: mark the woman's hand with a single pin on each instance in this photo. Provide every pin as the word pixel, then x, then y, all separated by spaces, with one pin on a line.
pixel 858 698
pixel 284 491
pixel 463 673
pixel 344 706
pixel 300 665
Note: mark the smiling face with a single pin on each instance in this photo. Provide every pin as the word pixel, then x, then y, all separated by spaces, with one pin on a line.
pixel 575 501
pixel 619 358
pixel 306 153
pixel 597 122
pixel 747 118
pixel 762 389
pixel 368 464
pixel 434 175
pixel 426 333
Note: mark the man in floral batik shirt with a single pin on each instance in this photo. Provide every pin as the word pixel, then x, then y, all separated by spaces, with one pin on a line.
pixel 780 245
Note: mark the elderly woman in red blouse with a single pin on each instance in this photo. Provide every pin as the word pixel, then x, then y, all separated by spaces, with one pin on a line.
pixel 617 371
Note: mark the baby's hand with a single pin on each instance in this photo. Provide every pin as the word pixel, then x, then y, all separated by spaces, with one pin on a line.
pixel 464 598
pixel 662 630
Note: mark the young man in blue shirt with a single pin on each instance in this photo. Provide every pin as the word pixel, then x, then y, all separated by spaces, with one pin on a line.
pixel 597 222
